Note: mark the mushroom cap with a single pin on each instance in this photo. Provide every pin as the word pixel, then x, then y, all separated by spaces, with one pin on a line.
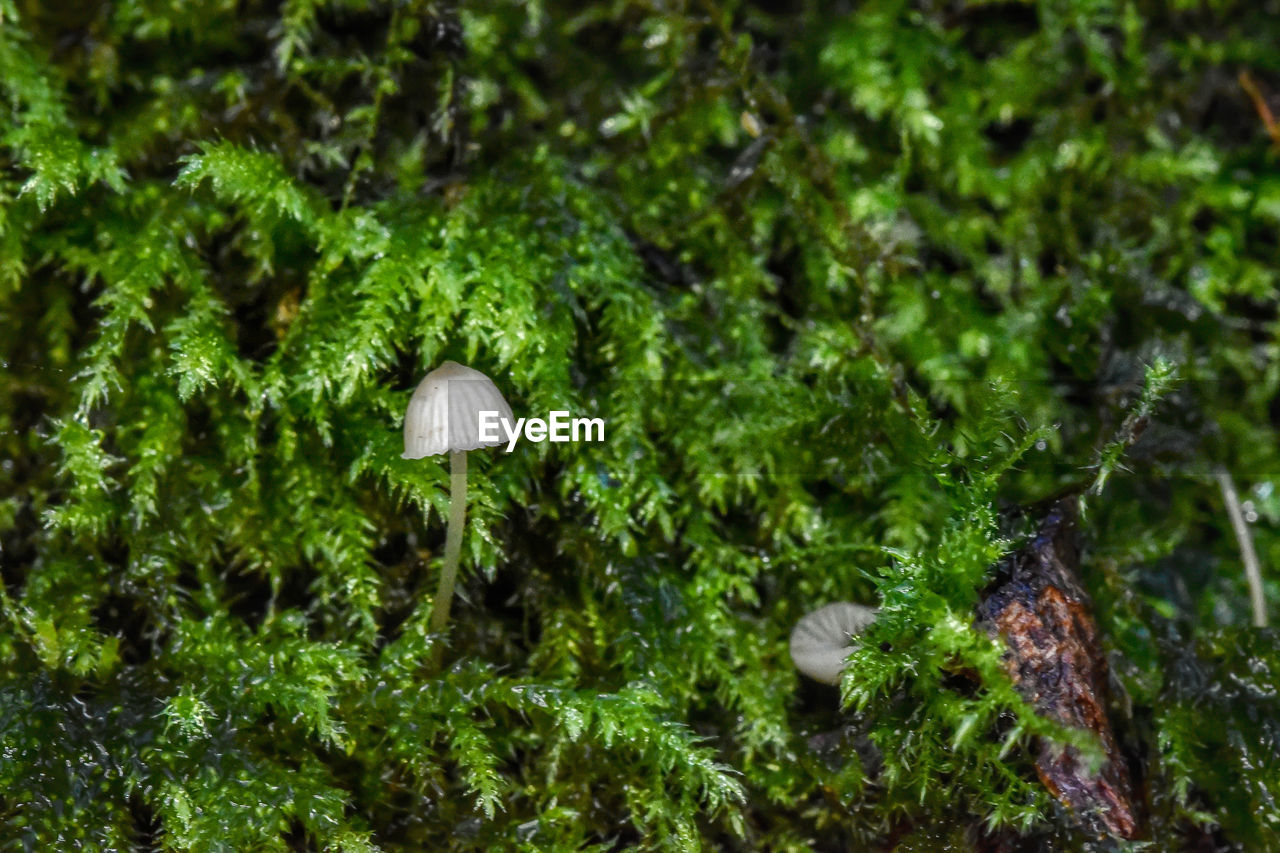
pixel 821 640
pixel 444 412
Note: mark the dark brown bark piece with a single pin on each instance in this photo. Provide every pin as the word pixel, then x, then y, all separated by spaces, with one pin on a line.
pixel 1044 616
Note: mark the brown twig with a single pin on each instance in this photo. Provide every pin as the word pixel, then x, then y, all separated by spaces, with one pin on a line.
pixel 1039 608
pixel 1254 91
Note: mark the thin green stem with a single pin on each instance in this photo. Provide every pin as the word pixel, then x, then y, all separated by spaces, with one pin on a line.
pixel 452 540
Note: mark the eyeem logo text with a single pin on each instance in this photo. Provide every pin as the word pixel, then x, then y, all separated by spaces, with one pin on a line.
pixel 558 427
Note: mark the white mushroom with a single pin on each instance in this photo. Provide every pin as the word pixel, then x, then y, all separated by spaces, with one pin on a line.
pixel 444 417
pixel 444 412
pixel 821 640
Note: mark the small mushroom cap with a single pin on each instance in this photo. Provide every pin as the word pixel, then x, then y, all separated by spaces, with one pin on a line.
pixel 821 640
pixel 444 412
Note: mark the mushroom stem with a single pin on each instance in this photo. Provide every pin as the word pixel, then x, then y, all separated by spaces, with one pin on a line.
pixel 1252 568
pixel 452 539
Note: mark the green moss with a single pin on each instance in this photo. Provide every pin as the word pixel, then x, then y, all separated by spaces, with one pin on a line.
pixel 846 282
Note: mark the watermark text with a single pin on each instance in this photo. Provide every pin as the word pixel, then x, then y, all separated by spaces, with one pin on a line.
pixel 557 428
